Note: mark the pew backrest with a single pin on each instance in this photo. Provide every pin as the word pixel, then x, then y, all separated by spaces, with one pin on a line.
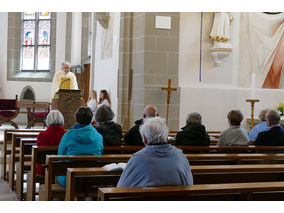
pixel 56 165
pixel 186 192
pixel 76 177
pixel 39 154
pixel 8 140
pixel 16 139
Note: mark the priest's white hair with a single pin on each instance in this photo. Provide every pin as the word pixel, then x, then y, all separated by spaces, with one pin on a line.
pixel 54 117
pixel 67 63
pixel 154 130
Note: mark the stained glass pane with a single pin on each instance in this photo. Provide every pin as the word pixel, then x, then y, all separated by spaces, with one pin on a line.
pixel 29 15
pixel 44 15
pixel 44 32
pixel 28 58
pixel 29 33
pixel 43 58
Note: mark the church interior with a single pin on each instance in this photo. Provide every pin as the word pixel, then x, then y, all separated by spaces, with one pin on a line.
pixel 180 62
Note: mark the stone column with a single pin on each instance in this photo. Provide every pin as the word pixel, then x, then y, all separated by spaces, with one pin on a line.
pixel 155 54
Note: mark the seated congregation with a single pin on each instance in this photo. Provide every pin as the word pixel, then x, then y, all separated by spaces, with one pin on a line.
pixel 158 162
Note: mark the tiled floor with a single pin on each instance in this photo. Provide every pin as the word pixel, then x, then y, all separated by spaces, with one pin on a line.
pixel 5 193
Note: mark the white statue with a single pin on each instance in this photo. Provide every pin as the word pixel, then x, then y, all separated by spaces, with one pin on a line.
pixel 221 36
pixel 221 27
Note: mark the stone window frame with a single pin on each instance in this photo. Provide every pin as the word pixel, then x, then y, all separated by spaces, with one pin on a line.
pixel 14 51
pixel 36 44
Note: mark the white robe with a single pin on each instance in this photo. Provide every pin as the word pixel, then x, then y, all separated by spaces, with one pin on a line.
pixel 105 102
pixel 92 104
pixel 57 81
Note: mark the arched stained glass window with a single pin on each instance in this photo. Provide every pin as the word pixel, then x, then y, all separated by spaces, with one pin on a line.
pixel 36 31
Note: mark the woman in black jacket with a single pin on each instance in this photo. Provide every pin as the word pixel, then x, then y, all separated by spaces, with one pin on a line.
pixel 111 131
pixel 194 133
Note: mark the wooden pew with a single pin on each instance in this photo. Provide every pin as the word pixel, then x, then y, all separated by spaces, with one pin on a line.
pixel 213 132
pixel 201 175
pixel 136 148
pixel 234 158
pixel 8 140
pixel 57 165
pixel 242 191
pixel 12 160
pixel 230 149
pixel 23 165
pixel 125 149
pixel 87 176
pixel 38 157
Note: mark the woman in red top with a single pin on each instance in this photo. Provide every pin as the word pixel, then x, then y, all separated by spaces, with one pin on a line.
pixel 52 136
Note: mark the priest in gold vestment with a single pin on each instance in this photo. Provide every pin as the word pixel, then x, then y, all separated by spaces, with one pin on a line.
pixel 63 79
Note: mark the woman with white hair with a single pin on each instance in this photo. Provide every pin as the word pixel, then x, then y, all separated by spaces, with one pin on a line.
pixel 52 136
pixel 159 163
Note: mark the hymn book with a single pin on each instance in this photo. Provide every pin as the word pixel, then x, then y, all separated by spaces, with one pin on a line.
pixel 115 167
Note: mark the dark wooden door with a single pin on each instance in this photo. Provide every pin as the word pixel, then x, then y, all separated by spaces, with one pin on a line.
pixel 82 73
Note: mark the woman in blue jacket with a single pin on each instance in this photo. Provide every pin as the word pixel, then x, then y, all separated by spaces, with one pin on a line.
pixel 81 139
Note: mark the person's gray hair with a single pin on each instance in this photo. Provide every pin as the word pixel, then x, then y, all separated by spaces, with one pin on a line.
pixel 103 114
pixel 154 130
pixel 150 111
pixel 193 118
pixel 54 117
pixel 67 63
pixel 273 116
pixel 262 114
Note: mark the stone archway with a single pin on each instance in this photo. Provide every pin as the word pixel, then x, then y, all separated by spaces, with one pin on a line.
pixel 28 94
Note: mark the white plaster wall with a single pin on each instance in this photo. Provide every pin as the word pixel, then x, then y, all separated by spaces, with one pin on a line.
pixel 106 70
pixel 42 89
pixel 214 103
pixel 218 92
pixel 189 50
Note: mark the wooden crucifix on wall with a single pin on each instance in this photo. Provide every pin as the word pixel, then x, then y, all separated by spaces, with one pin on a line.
pixel 169 89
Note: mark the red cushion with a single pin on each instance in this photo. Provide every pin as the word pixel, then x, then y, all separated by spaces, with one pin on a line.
pixel 39 114
pixel 7 114
pixel 7 104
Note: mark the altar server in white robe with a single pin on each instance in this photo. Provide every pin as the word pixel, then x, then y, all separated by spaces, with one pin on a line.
pixel 58 79
pixel 93 103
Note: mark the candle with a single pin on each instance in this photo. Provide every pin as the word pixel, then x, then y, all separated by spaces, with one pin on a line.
pixel 252 92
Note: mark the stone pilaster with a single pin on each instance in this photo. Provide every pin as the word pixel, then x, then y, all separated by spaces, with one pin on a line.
pixel 155 54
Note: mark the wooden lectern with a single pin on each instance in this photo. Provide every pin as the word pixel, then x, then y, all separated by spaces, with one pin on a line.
pixel 67 103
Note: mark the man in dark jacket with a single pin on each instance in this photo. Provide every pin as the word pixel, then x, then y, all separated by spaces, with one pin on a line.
pixel 194 133
pixel 133 136
pixel 274 136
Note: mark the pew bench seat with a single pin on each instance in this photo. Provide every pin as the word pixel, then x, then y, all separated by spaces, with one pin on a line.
pixel 245 191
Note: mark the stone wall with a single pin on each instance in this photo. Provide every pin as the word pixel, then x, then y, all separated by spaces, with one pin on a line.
pixel 85 37
pixel 153 56
pixel 68 40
